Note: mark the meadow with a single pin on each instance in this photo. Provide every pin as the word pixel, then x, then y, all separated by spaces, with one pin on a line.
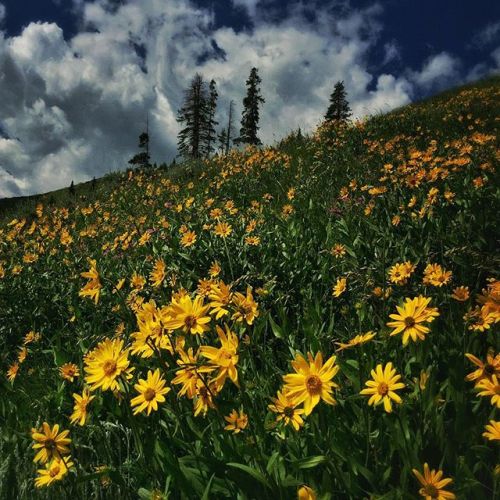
pixel 316 319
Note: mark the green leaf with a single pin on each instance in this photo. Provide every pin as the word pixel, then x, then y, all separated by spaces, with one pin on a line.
pixel 144 494
pixel 207 489
pixel 310 462
pixel 272 462
pixel 278 332
pixel 257 475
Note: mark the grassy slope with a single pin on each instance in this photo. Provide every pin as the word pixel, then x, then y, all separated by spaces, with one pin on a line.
pixel 85 191
pixel 293 265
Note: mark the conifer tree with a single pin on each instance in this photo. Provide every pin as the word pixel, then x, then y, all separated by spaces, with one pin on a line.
pixel 250 116
pixel 193 115
pixel 229 130
pixel 222 138
pixel 209 123
pixel 339 110
pixel 142 158
pixel 225 136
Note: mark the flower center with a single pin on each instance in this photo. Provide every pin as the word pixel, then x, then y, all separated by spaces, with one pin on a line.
pixel 313 384
pixel 149 394
pixel 50 444
pixel 489 369
pixel 288 411
pixel 383 388
pixel 431 490
pixel 54 471
pixel 225 355
pixel 109 367
pixel 409 322
pixel 190 321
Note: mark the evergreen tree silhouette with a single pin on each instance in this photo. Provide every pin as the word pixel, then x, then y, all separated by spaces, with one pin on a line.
pixel 142 158
pixel 229 130
pixel 209 123
pixel 222 138
pixel 225 136
pixel 250 116
pixel 339 110
pixel 193 115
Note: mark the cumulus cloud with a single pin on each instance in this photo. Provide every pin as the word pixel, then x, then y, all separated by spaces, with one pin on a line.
pixel 437 72
pixel 389 93
pixel 73 109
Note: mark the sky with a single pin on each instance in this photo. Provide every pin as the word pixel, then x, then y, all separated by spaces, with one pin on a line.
pixel 79 78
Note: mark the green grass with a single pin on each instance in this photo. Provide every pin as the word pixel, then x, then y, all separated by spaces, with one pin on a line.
pixel 419 184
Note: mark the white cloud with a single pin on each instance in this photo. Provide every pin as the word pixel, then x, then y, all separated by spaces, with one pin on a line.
pixel 438 71
pixel 390 92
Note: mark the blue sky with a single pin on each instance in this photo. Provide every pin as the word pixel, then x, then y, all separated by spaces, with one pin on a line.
pixel 73 72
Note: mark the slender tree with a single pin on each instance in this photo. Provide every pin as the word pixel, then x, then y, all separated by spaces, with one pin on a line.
pixel 225 136
pixel 222 138
pixel 250 116
pixel 209 123
pixel 142 158
pixel 229 134
pixel 193 115
pixel 339 110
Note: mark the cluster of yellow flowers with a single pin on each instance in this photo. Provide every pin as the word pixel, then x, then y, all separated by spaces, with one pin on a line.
pixel 486 378
pixel 107 367
pixel 435 275
pixel 51 448
pixel 487 312
pixel 311 383
pixel 22 354
pixel 399 273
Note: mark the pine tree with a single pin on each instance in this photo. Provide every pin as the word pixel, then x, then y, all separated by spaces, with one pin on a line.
pixel 339 110
pixel 229 131
pixel 209 123
pixel 225 136
pixel 142 158
pixel 193 115
pixel 250 116
pixel 222 138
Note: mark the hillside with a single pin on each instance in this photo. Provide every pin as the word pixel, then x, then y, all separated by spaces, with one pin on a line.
pixel 361 245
